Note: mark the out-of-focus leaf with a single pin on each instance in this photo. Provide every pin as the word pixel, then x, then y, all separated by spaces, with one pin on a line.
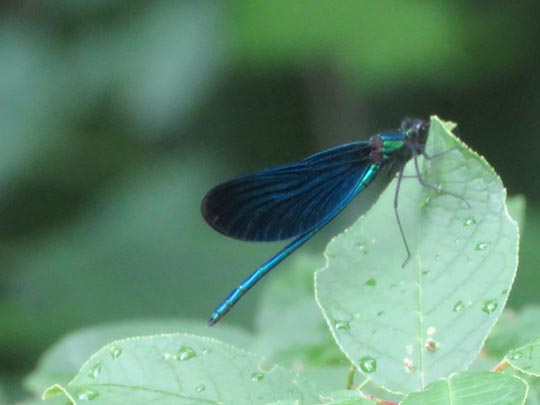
pixel 528 277
pixel 171 57
pixel 526 358
pixel 516 208
pixel 62 361
pixel 141 251
pixel 374 42
pixel 472 388
pixel 182 369
pixel 514 329
pixel 406 327
pixel 290 327
pixel 291 330
pixel 35 97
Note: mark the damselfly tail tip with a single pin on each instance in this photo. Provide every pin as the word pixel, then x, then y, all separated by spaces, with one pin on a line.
pixel 213 320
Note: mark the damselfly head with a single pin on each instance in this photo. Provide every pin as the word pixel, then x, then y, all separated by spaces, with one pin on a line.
pixel 415 129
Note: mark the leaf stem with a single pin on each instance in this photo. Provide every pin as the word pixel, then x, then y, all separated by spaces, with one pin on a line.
pixel 378 400
pixel 350 377
pixel 501 366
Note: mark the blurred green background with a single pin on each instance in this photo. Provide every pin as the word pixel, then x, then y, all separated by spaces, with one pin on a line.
pixel 116 117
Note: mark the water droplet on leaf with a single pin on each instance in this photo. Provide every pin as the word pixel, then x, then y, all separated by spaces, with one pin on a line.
pixel 409 365
pixel 185 353
pixel 371 282
pixel 482 246
pixel 368 364
pixel 469 221
pixel 257 376
pixel 362 247
pixel 342 325
pixel 87 394
pixel 431 345
pixel 115 352
pixel 200 388
pixel 489 306
pixel 515 355
pixel 94 370
pixel 458 306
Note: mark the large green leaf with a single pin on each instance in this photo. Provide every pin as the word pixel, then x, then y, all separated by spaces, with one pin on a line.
pixel 406 327
pixel 181 369
pixel 62 361
pixel 472 388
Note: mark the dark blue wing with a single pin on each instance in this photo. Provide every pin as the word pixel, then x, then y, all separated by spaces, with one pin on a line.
pixel 286 201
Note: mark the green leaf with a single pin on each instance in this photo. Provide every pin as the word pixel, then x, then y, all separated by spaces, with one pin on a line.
pixel 526 358
pixel 181 369
pixel 406 327
pixel 516 208
pixel 291 330
pixel 62 361
pixel 514 329
pixel 346 397
pixel 290 327
pixel 472 388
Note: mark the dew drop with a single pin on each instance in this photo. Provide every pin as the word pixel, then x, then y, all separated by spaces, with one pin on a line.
pixel 206 350
pixel 426 272
pixel 257 376
pixel 437 257
pixel 482 246
pixel 431 345
pixel 115 352
pixel 425 202
pixel 431 330
pixel 458 306
pixel 362 248
pixel 469 221
pixel 368 364
pixel 200 388
pixel 409 365
pixel 505 291
pixel 342 325
pixel 515 355
pixel 489 306
pixel 94 370
pixel 380 313
pixel 371 282
pixel 185 353
pixel 87 394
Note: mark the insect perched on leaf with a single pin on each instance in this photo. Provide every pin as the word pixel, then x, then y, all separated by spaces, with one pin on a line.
pixel 297 200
